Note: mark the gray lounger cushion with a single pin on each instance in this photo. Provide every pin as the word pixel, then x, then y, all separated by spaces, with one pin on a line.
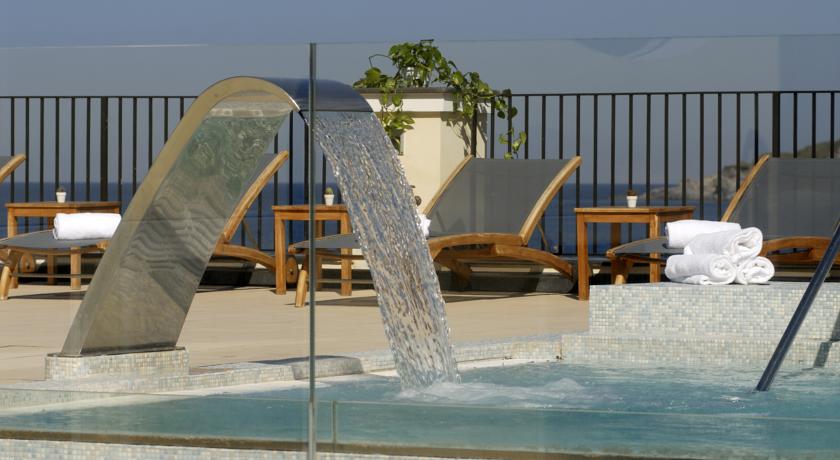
pixel 44 240
pixel 648 246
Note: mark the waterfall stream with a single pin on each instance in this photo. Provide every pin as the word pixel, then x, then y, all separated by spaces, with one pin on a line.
pixel 384 219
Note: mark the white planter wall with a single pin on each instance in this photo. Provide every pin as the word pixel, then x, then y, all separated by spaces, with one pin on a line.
pixel 436 144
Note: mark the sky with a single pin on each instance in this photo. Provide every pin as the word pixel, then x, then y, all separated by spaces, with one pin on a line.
pixel 120 22
pixel 179 47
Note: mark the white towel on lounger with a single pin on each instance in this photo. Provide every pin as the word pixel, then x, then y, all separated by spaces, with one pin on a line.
pixel 85 226
pixel 705 269
pixel 758 270
pixel 739 245
pixel 679 233
pixel 424 223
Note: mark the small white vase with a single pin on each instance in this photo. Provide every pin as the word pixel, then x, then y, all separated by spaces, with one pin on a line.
pixel 631 201
pixel 60 196
pixel 329 199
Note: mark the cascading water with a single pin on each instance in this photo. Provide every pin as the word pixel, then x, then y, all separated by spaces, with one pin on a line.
pixel 382 212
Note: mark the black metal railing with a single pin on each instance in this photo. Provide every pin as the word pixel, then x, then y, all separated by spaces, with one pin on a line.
pixel 101 147
pixel 674 147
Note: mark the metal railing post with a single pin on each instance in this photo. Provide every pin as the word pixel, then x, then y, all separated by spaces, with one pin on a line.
pixel 103 148
pixel 777 124
pixel 312 446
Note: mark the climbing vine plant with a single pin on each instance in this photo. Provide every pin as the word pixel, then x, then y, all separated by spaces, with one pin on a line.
pixel 422 65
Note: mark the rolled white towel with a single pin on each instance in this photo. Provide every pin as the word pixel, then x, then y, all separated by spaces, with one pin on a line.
pixel 706 269
pixel 679 233
pixel 739 245
pixel 424 223
pixel 85 226
pixel 755 271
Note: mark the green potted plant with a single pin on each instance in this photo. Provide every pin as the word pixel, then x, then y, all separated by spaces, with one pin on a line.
pixel 422 65
pixel 329 196
pixel 631 198
pixel 60 194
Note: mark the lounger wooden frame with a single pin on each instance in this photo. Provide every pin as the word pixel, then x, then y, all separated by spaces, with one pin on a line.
pixel 812 248
pixel 5 171
pixel 224 247
pixel 11 165
pixel 452 250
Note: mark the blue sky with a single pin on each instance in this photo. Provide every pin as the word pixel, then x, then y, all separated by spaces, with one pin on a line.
pixel 169 47
pixel 111 22
pixel 180 47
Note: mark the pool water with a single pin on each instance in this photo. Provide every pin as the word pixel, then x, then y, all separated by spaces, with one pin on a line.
pixel 539 407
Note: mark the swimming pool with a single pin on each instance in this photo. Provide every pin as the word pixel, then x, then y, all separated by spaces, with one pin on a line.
pixel 551 407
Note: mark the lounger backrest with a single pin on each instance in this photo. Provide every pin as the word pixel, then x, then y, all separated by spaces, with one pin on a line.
pixel 792 197
pixel 494 196
pixel 269 164
pixel 8 163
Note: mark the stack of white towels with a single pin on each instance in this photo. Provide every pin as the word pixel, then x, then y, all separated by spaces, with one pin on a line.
pixel 716 253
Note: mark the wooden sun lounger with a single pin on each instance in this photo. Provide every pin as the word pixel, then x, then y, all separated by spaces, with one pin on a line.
pixel 795 202
pixel 486 209
pixel 43 242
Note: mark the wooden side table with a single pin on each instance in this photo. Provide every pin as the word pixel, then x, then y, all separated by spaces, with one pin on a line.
pixel 653 216
pixel 48 210
pixel 282 214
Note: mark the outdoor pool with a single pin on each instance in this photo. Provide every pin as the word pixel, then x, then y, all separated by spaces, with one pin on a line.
pixel 562 408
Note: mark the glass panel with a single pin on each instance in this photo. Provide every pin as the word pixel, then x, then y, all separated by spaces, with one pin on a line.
pixel 680 121
pixel 183 294
pixel 639 370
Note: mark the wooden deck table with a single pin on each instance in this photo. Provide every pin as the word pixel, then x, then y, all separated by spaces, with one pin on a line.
pixel 300 212
pixel 653 216
pixel 48 210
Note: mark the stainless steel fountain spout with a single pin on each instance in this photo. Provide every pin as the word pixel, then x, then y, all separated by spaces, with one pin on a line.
pixel 144 285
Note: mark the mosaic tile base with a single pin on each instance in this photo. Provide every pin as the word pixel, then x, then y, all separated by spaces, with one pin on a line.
pixel 221 375
pixel 695 351
pixel 686 310
pixel 669 323
pixel 36 449
pixel 172 362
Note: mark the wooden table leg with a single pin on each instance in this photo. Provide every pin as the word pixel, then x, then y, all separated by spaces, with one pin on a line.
pixel 303 282
pixel 51 259
pixel 279 256
pixel 75 269
pixel 653 232
pixel 615 235
pixel 583 259
pixel 51 270
pixel 319 261
pixel 346 263
pixel 11 230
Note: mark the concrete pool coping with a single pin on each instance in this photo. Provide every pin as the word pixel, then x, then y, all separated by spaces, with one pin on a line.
pixel 296 369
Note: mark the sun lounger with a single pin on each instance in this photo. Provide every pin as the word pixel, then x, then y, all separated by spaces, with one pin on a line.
pixel 486 209
pixel 8 163
pixel 794 202
pixel 44 243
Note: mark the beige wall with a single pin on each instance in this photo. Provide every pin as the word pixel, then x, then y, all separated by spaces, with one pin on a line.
pixel 436 144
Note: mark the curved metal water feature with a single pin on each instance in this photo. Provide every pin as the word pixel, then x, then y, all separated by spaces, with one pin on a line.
pixel 141 293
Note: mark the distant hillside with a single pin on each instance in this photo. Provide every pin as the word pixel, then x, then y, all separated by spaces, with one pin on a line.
pixel 728 185
pixel 822 151
pixel 728 175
